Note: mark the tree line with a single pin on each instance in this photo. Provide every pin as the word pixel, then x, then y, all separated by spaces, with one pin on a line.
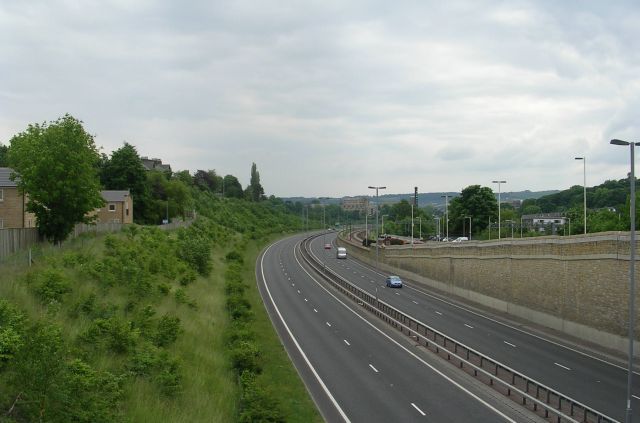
pixel 60 168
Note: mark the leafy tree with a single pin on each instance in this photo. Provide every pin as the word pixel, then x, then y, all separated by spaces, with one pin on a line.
pixel 232 187
pixel 475 201
pixel 3 156
pixel 256 192
pixel 207 180
pixel 125 171
pixel 179 196
pixel 56 166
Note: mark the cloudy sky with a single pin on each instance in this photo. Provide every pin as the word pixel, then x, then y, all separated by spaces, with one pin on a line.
pixel 328 97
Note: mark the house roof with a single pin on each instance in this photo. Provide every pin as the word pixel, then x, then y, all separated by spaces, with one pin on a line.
pixel 543 216
pixel 5 172
pixel 114 196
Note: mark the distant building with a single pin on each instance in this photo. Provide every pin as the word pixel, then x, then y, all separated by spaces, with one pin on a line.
pixel 13 205
pixel 357 204
pixel 118 207
pixel 541 221
pixel 155 164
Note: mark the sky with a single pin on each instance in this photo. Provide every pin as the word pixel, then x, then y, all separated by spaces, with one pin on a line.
pixel 329 97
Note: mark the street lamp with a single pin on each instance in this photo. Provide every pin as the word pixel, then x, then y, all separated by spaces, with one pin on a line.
pixel 420 230
pixel 520 226
pixel 411 223
pixel 467 217
pixel 446 213
pixel 499 182
pixel 438 223
pixel 632 261
pixel 377 211
pixel 584 187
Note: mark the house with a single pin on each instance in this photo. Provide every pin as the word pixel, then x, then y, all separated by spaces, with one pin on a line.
pixel 155 164
pixel 542 220
pixel 14 214
pixel 13 205
pixel 118 207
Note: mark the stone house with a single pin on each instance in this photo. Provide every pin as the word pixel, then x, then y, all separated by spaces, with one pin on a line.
pixel 13 205
pixel 118 207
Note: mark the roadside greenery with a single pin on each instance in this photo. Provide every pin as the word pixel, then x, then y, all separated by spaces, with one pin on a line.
pixel 148 325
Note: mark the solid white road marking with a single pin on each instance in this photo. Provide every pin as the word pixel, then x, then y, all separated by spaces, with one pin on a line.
pixel 328 324
pixel 374 369
pixel 419 411
pixel 560 365
pixel 469 326
pixel 315 310
pixel 437 312
pixel 509 343
pixel 632 395
pixel 415 302
pixel 346 342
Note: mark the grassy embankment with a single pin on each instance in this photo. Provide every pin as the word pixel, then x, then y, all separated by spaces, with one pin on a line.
pixel 143 326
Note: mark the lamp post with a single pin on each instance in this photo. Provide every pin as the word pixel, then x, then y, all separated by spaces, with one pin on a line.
pixel 520 226
pixel 511 222
pixel 438 224
pixel 377 211
pixel 489 228
pixel 446 213
pixel 632 262
pixel 420 230
pixel 499 182
pixel 468 217
pixel 584 187
pixel 411 223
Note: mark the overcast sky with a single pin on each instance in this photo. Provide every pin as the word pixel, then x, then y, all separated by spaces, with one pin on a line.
pixel 329 97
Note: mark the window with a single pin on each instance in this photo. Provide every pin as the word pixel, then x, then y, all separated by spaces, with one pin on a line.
pixel 112 207
pixel 1 195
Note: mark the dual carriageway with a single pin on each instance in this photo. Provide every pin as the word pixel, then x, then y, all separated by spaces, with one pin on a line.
pixel 357 367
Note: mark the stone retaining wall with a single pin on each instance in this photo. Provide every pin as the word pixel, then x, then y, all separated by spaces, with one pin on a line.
pixel 577 284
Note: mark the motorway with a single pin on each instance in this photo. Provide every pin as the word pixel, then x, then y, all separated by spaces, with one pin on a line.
pixel 353 370
pixel 590 380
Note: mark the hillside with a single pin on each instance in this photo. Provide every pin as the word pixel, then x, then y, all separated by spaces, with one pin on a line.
pixel 148 325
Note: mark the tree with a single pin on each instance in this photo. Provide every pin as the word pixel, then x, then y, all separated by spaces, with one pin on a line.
pixel 207 180
pixel 3 156
pixel 125 171
pixel 475 201
pixel 232 187
pixel 256 192
pixel 56 165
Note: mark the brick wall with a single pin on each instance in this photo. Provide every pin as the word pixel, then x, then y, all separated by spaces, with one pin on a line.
pixel 574 284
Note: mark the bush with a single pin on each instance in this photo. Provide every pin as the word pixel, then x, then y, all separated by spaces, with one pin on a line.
pixel 167 331
pixel 256 404
pixel 112 333
pixel 234 256
pixel 11 331
pixel 245 356
pixel 51 285
pixel 239 307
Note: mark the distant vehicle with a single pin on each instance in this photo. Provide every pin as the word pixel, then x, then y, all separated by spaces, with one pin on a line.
pixel 461 239
pixel 327 246
pixel 394 281
pixel 341 253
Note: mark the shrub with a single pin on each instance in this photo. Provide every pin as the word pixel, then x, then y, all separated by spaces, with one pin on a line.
pixel 168 330
pixel 245 356
pixel 12 330
pixel 188 277
pixel 112 333
pixel 234 256
pixel 169 375
pixel 239 307
pixel 51 285
pixel 256 404
pixel 164 288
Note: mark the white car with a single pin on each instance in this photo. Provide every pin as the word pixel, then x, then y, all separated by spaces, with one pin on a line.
pixel 461 239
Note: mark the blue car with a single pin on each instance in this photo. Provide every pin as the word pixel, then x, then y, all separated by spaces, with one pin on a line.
pixel 394 282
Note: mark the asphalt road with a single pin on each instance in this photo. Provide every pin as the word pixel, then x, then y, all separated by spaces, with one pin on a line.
pixel 590 380
pixel 354 371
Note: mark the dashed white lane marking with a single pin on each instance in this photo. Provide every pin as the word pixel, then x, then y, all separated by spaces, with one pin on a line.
pixel 315 310
pixel 397 293
pixel 298 291
pixel 419 411
pixel 362 276
pixel 346 342
pixel 560 365
pixel 437 312
pixel 289 278
pixel 510 344
pixel 469 326
pixel 374 369
pixel 306 300
pixel 372 281
pixel 415 302
pixel 328 324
